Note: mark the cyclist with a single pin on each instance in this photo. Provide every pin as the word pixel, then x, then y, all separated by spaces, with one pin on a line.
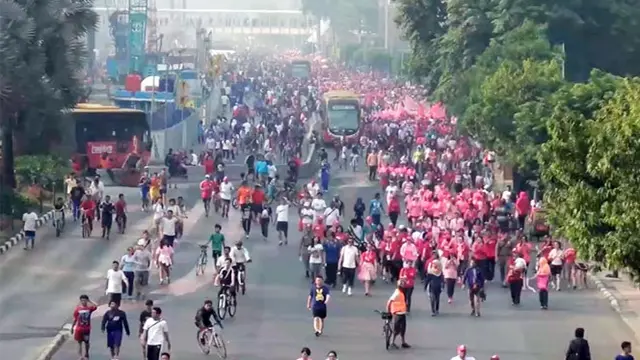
pixel 58 206
pixel 226 193
pixel 240 256
pixel 203 319
pixel 226 254
pixel 88 207
pixel 206 190
pixel 226 279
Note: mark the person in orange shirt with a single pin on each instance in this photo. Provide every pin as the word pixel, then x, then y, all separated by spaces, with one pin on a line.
pixel 244 194
pixel 397 307
pixel 372 163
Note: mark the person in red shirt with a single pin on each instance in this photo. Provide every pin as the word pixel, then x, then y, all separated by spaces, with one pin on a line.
pixel 209 165
pixel 206 190
pixel 408 274
pixel 258 198
pixel 81 327
pixel 121 213
pixel 479 255
pixel 490 245
pixel 396 257
pixel 394 210
pixel 88 208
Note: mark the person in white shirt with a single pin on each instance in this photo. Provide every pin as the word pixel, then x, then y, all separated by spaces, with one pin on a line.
pixel 240 256
pixel 115 279
pixel 347 265
pixel 272 171
pixel 96 189
pixel 317 259
pixel 155 332
pixel 282 221
pixel 226 148
pixel 556 255
pixel 158 214
pixel 462 354
pixel 391 190
pixel 30 220
pixel 331 216
pixel 168 228
pixel 313 188
pixel 226 194
pixel 195 161
pixel 318 205
pixel 210 143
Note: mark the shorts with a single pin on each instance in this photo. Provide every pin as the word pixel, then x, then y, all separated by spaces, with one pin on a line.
pixel 169 239
pixel 399 324
pixel 81 335
pixel 216 254
pixel 30 234
pixel 114 339
pixel 319 313
pixel 556 270
pixel 142 278
pixel 163 191
pixel 282 226
pixel 256 208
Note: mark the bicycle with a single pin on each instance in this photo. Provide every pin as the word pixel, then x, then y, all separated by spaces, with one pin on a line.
pixel 240 284
pixel 387 332
pixel 201 263
pixel 209 337
pixel 58 222
pixel 86 226
pixel 226 303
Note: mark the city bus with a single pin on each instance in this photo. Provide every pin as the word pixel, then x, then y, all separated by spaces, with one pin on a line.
pixel 109 131
pixel 300 69
pixel 341 117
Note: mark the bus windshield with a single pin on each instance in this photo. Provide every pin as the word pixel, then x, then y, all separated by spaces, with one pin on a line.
pixel 300 69
pixel 116 126
pixel 343 117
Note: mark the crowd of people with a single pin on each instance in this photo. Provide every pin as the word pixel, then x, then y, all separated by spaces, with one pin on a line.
pixel 438 220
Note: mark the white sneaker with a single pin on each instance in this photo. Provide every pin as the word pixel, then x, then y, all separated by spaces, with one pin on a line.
pixel 349 291
pixel 344 288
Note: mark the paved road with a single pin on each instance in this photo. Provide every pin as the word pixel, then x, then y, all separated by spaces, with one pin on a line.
pixel 40 287
pixel 273 323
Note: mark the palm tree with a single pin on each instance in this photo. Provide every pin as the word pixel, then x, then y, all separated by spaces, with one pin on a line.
pixel 42 60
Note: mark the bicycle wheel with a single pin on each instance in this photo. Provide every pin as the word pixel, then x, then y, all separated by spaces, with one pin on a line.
pixel 231 306
pixel 85 230
pixel 222 306
pixel 387 336
pixel 203 341
pixel 243 286
pixel 221 347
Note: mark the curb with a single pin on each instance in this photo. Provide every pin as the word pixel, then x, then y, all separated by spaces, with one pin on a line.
pixel 15 240
pixel 613 301
pixel 65 333
pixel 61 337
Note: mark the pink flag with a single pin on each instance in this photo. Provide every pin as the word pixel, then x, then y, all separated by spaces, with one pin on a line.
pixel 438 111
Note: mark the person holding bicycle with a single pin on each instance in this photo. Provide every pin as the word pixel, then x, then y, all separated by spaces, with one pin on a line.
pixel 473 279
pixel 397 307
pixel 226 279
pixel 203 319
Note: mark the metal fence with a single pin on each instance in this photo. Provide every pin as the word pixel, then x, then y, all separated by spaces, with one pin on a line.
pixel 183 135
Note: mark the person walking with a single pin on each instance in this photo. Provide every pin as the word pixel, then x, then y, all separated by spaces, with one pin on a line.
pixel 144 315
pixel 543 277
pixel 347 265
pixel 332 250
pixel 450 272
pixel 433 283
pixel 114 322
pixel 515 277
pixel 30 220
pixel 155 332
pixel 143 258
pixel 368 268
pixel 115 281
pixel 473 279
pixel 319 296
pixel 128 266
pixel 578 347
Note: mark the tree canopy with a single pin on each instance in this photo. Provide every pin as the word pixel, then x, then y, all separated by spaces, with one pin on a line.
pixel 551 87
pixel 43 60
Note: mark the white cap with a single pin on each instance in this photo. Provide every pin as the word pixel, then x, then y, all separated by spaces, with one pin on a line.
pixel 142 242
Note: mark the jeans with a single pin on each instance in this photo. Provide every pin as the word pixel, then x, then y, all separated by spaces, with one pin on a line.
pixel 130 277
pixel 348 276
pixel 543 296
pixel 408 293
pixel 490 265
pixel 515 288
pixel 450 285
pixel 332 273
pixel 434 299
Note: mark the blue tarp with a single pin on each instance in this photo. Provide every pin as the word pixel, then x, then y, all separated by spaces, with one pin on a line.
pixel 167 116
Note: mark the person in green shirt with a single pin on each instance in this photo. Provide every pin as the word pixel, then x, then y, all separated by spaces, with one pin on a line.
pixel 217 242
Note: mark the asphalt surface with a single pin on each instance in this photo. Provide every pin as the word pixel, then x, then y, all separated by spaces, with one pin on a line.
pixel 40 287
pixel 273 322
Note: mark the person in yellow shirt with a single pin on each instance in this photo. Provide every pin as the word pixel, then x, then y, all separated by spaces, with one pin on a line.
pixel 154 189
pixel 397 306
pixel 372 163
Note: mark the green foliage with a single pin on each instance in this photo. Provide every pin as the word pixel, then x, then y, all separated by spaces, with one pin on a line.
pixel 42 70
pixel 592 168
pixel 503 68
pixel 44 170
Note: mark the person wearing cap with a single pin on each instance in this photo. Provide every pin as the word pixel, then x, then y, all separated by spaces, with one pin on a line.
pixel 397 306
pixel 462 354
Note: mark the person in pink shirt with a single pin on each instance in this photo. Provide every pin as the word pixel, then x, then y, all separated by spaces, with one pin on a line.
pixel 542 277
pixel 409 251
pixel 414 210
pixel 450 272
pixel 368 268
pixel 523 208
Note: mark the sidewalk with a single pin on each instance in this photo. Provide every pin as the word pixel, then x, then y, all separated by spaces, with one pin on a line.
pixel 624 298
